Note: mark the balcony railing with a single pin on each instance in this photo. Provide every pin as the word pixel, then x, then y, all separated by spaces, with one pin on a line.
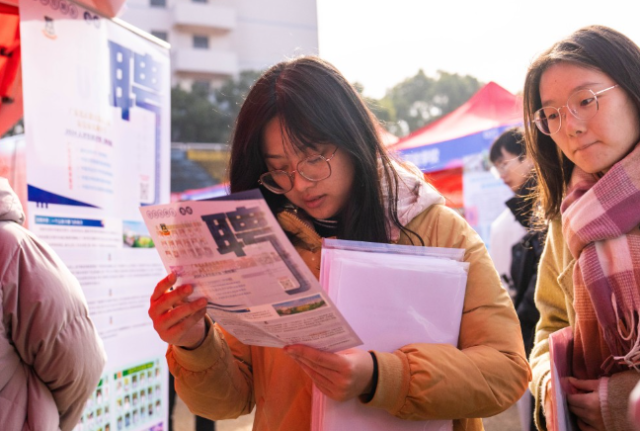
pixel 204 16
pixel 207 61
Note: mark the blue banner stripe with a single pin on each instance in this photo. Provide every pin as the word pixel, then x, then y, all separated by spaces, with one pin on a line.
pixel 68 221
pixel 43 198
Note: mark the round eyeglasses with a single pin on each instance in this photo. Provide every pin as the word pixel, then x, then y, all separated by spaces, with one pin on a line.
pixel 313 168
pixel 583 104
pixel 502 166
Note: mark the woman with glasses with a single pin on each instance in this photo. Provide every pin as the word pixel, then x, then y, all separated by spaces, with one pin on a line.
pixel 582 104
pixel 307 139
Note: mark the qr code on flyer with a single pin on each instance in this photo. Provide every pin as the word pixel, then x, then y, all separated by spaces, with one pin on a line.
pixel 144 192
pixel 287 283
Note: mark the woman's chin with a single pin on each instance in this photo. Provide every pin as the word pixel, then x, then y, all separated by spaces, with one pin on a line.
pixel 320 213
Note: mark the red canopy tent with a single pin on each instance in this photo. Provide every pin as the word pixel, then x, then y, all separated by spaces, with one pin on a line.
pixel 10 78
pixel 438 148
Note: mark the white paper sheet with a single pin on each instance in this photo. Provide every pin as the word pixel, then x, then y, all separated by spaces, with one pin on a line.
pixel 560 352
pixel 391 300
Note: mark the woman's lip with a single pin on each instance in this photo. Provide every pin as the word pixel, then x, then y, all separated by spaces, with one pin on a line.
pixel 314 201
pixel 585 146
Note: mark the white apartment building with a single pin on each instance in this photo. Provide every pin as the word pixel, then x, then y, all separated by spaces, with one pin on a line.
pixel 212 40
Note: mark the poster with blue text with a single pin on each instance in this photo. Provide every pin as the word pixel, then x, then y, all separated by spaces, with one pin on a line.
pixel 97 118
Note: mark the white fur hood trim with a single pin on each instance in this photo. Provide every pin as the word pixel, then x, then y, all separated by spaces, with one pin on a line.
pixel 415 195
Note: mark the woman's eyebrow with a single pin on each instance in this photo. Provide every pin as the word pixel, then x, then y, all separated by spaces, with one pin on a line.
pixel 273 156
pixel 583 86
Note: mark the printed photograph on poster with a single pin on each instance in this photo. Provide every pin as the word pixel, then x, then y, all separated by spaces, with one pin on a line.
pixel 136 235
pixel 125 399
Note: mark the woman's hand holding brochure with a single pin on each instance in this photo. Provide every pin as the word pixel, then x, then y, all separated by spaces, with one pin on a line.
pixel 178 321
pixel 340 376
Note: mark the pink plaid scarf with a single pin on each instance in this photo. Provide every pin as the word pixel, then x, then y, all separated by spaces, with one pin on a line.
pixel 600 219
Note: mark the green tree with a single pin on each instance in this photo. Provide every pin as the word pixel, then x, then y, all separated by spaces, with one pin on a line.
pixel 452 90
pixel 193 118
pixel 410 98
pixel 203 115
pixel 419 100
pixel 382 109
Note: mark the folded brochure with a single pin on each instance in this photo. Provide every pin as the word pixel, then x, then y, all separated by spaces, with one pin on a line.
pixel 234 253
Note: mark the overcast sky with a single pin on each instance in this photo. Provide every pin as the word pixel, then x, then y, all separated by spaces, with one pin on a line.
pixel 379 43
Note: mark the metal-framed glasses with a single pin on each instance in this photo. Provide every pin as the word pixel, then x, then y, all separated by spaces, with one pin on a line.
pixel 583 104
pixel 502 166
pixel 316 167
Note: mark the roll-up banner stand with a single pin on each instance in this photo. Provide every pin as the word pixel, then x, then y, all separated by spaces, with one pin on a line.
pixel 97 118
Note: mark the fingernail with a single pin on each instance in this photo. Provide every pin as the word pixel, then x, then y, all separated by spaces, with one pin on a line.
pixel 173 276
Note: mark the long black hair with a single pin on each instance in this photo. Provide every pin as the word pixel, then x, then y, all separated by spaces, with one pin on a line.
pixel 316 105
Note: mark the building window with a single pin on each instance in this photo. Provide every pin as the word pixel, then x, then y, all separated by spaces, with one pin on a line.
pixel 161 35
pixel 158 3
pixel 200 42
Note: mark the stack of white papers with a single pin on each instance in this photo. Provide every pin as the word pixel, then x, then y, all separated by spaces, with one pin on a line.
pixel 391 295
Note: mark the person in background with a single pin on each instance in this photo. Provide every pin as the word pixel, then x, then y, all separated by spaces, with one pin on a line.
pixel 509 157
pixel 506 230
pixel 582 128
pixel 51 357
pixel 307 139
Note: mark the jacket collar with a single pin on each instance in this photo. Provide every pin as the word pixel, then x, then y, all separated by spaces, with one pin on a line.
pixel 415 195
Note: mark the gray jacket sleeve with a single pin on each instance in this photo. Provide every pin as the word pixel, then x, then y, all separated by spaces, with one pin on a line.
pixel 46 314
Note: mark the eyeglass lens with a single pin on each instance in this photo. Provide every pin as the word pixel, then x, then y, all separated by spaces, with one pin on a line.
pixel 314 168
pixel 277 181
pixel 504 164
pixel 582 104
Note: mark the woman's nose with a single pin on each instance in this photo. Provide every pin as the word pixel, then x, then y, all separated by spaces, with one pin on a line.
pixel 572 125
pixel 300 183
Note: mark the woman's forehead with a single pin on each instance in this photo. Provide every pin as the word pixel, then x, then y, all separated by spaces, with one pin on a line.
pixel 562 79
pixel 277 143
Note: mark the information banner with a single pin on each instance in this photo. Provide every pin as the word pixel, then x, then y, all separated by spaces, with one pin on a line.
pixel 96 96
pixel 484 195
